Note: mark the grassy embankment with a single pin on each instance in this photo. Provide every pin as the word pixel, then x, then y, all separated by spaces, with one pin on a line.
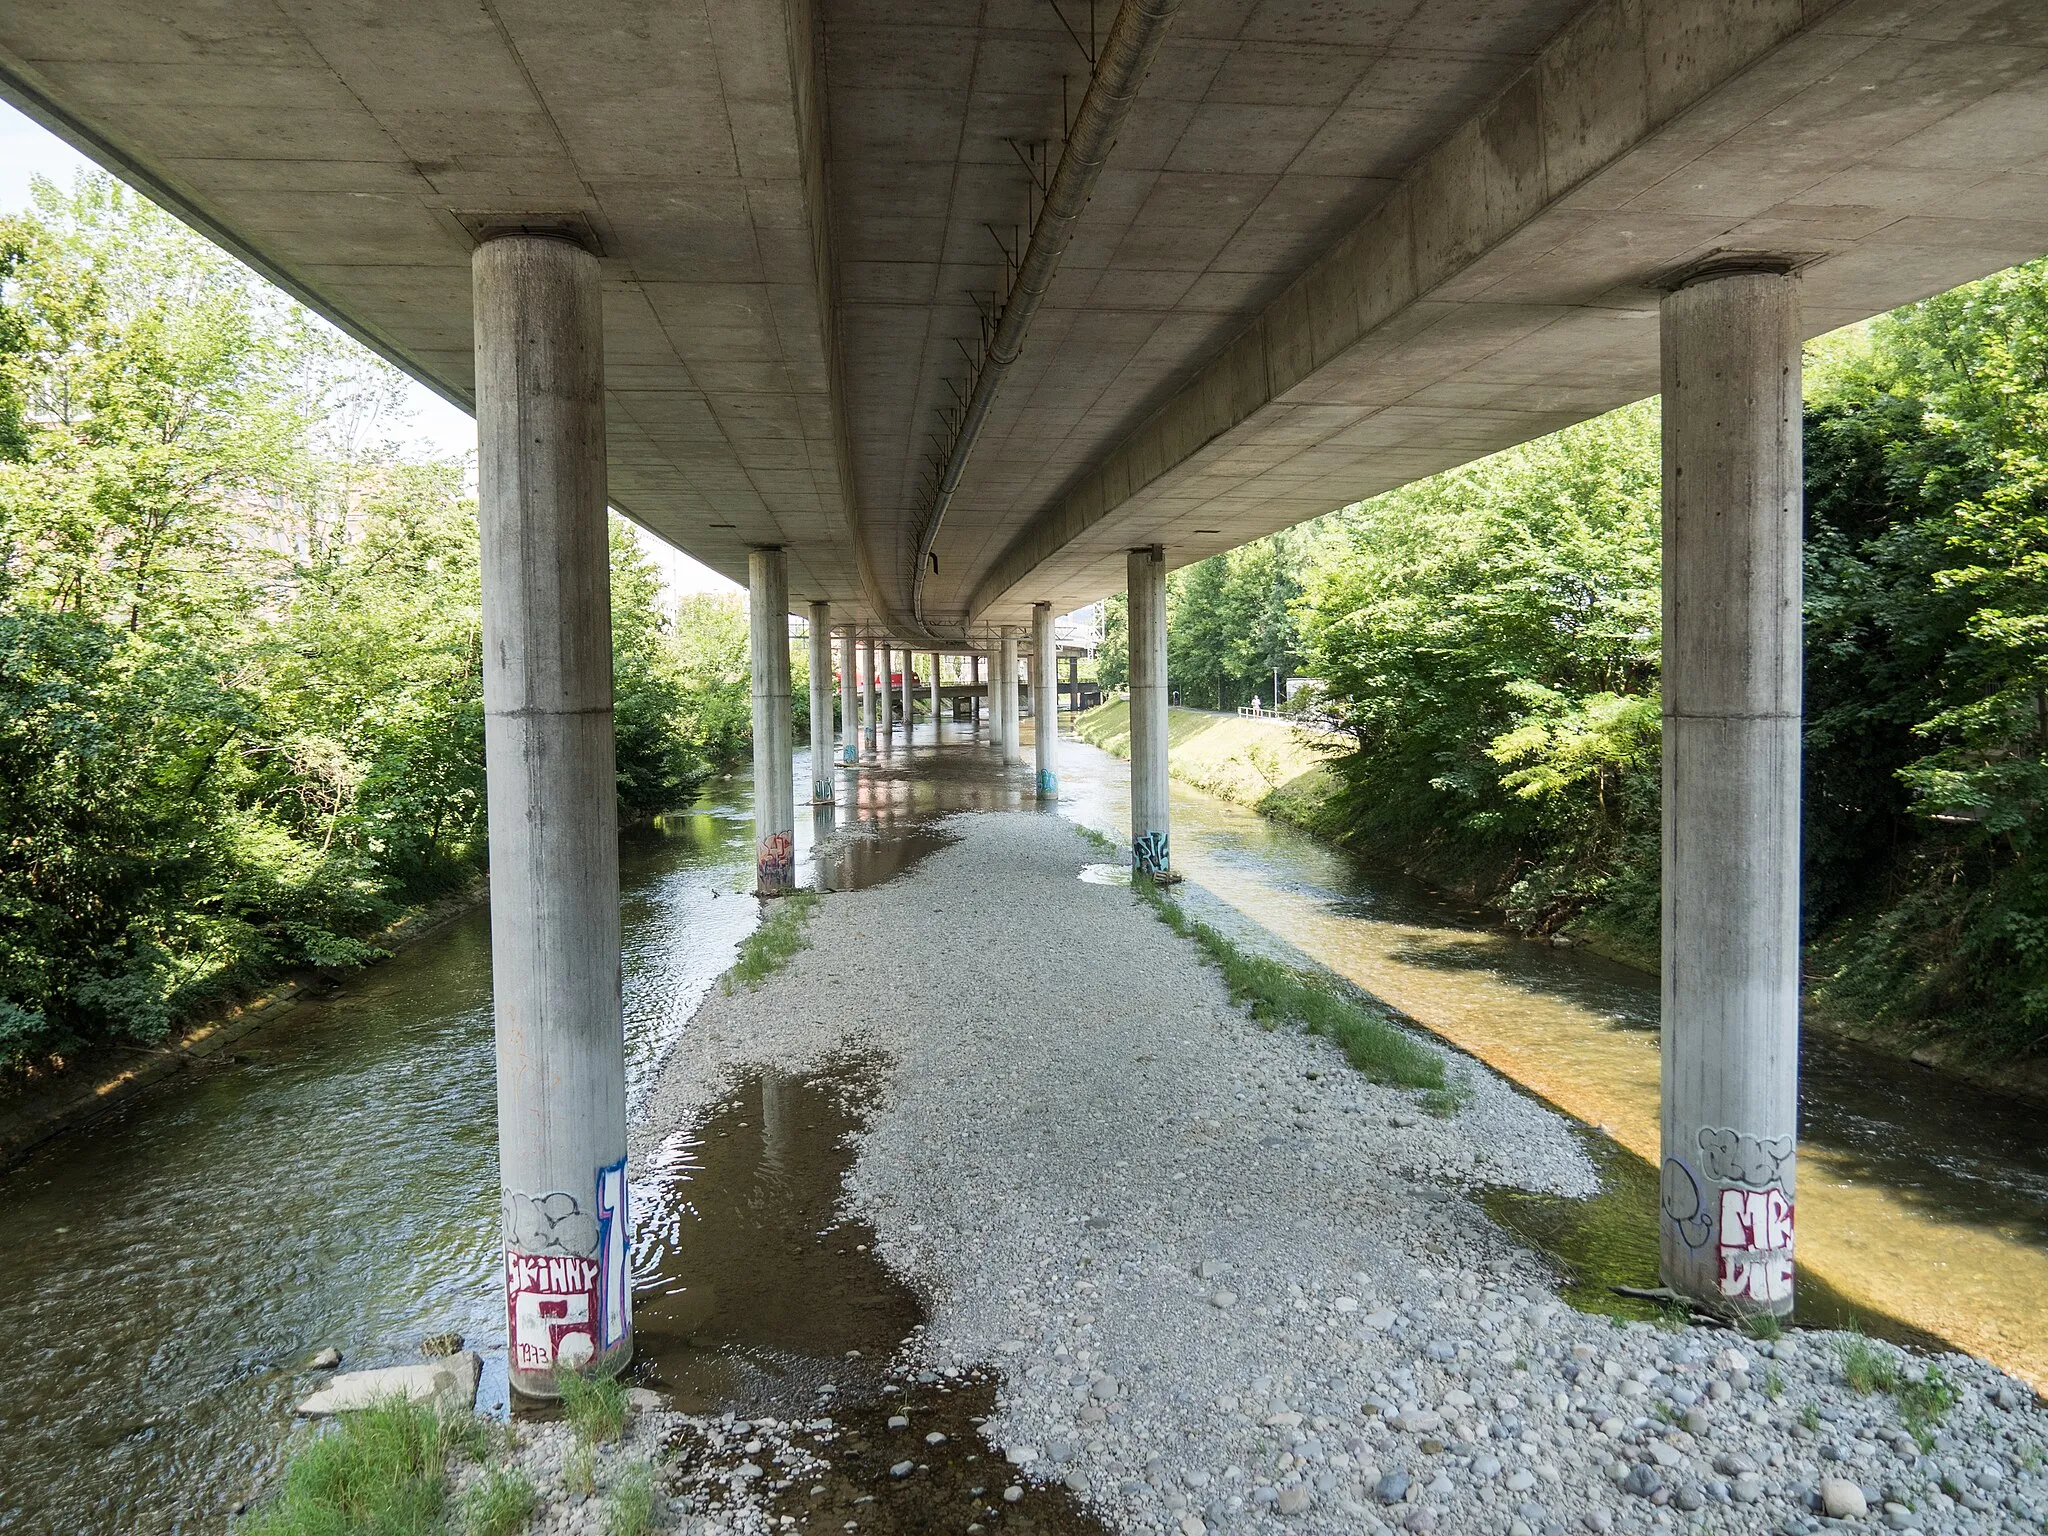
pixel 1264 763
pixel 1269 767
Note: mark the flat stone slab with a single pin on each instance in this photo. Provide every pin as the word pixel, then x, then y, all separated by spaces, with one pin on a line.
pixel 448 1383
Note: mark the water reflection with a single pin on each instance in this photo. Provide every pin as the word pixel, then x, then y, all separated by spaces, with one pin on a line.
pixel 333 1181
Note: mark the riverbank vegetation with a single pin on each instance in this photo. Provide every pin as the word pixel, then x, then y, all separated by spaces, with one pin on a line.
pixel 1275 993
pixel 241 707
pixel 1487 645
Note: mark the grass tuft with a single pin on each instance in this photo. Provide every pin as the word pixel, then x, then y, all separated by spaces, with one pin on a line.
pixel 1763 1325
pixel 1867 1369
pixel 629 1507
pixel 500 1505
pixel 772 945
pixel 579 1470
pixel 594 1404
pixel 1923 1403
pixel 382 1470
pixel 1277 993
pixel 1774 1383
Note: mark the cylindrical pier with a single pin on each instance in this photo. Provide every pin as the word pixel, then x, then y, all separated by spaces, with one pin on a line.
pixel 1732 680
pixel 553 802
pixel 821 703
pixel 1006 686
pixel 1145 572
pixel 849 702
pixel 774 765
pixel 865 657
pixel 1045 700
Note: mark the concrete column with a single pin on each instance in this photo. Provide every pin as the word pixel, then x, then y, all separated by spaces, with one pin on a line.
pixel 1006 687
pixel 774 767
pixel 1145 572
pixel 1045 700
pixel 908 685
pixel 821 703
pixel 552 789
pixel 849 702
pixel 974 699
pixel 863 690
pixel 885 706
pixel 1732 677
pixel 936 699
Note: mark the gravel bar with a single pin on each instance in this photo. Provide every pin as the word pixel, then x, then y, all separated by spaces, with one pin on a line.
pixel 1229 1285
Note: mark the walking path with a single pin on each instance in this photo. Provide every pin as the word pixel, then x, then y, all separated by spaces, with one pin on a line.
pixel 1226 1284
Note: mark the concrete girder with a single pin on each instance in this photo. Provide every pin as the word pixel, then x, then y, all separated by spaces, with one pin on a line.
pixel 1508 285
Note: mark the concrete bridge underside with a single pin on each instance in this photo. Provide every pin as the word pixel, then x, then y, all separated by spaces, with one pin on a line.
pixel 932 321
pixel 1333 247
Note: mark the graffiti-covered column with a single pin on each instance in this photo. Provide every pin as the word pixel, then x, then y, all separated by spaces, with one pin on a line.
pixel 1045 700
pixel 821 703
pixel 774 765
pixel 1006 690
pixel 1732 502
pixel 849 703
pixel 553 804
pixel 1146 627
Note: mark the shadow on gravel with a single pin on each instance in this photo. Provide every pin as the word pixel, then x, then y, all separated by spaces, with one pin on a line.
pixel 755 1298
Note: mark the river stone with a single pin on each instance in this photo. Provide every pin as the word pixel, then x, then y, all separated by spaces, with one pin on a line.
pixel 1416 1420
pixel 1642 1480
pixel 449 1384
pixel 1294 1499
pixel 1746 1490
pixel 326 1360
pixel 1842 1499
pixel 1393 1488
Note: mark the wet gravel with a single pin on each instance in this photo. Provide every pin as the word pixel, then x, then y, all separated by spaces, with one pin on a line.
pixel 1219 1282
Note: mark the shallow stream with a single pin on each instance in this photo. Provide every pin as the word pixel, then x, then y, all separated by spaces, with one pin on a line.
pixel 332 1181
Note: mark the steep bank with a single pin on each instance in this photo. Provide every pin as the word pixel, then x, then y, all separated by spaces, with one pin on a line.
pixel 1271 767
pixel 72 1091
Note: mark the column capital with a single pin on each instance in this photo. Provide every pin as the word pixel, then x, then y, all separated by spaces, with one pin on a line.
pixel 1719 264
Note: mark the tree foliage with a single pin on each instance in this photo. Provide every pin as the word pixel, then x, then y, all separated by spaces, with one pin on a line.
pixel 1487 642
pixel 240 676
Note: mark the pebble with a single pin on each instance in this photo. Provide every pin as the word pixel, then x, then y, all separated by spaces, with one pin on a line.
pixel 1370 1313
pixel 1013 1494
pixel 326 1360
pixel 1842 1499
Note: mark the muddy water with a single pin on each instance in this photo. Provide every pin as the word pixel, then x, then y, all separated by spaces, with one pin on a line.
pixel 752 1295
pixel 1919 1199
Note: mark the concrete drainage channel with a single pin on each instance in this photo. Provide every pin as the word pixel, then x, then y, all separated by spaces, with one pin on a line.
pixel 767 1318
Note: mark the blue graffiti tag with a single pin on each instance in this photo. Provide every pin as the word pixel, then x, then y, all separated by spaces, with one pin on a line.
pixel 1684 1206
pixel 614 1270
pixel 1148 853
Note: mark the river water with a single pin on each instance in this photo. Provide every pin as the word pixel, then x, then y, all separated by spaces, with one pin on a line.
pixel 333 1179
